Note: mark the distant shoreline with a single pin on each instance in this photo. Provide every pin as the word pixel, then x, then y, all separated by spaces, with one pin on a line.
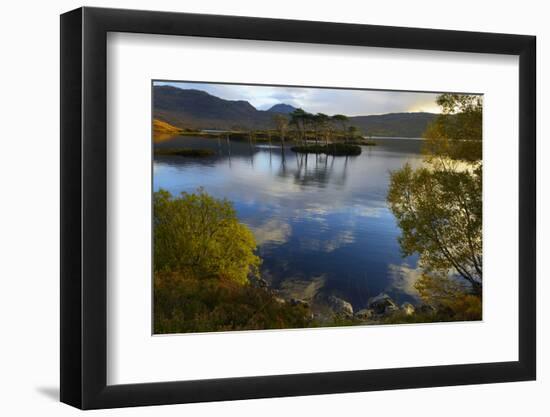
pixel 364 136
pixel 392 137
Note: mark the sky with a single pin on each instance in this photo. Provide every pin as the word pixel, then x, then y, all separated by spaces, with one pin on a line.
pixel 320 100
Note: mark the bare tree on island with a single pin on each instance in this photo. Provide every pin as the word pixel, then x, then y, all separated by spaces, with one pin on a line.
pixel 325 125
pixel 342 122
pixel 353 132
pixel 299 119
pixel 281 124
pixel 316 124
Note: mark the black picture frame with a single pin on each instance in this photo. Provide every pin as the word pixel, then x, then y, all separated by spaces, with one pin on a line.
pixel 84 207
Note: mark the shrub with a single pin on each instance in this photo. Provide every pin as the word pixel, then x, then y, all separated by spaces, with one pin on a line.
pixel 198 233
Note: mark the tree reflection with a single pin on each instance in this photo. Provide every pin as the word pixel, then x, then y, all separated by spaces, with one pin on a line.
pixel 322 170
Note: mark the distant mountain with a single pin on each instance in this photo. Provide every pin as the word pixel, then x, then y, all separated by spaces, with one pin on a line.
pixel 282 108
pixel 410 125
pixel 196 109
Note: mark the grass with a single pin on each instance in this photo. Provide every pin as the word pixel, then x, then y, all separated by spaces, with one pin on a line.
pixel 336 149
pixel 191 132
pixel 199 153
pixel 161 128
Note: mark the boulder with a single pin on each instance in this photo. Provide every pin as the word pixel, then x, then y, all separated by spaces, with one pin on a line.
pixel 279 300
pixel 258 282
pixel 426 309
pixel 364 314
pixel 340 306
pixel 391 308
pixel 382 304
pixel 408 309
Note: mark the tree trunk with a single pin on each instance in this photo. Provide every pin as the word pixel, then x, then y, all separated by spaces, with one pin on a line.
pixel 477 288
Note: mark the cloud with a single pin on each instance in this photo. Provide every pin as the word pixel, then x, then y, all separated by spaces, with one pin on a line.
pixel 403 278
pixel 327 245
pixel 321 100
pixel 273 231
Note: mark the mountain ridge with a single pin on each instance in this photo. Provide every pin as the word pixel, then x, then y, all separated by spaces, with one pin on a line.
pixel 197 109
pixel 281 108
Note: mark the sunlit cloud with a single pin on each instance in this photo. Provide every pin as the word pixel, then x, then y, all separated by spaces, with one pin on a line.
pixel 342 238
pixel 403 278
pixel 364 211
pixel 326 244
pixel 273 231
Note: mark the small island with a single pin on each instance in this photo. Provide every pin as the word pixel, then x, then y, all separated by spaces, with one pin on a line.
pixel 334 149
pixel 185 152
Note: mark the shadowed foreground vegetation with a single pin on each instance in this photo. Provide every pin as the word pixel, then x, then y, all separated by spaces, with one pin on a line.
pixel 464 307
pixel 185 302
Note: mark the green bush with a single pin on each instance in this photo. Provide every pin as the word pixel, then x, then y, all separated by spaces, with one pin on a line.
pixel 202 234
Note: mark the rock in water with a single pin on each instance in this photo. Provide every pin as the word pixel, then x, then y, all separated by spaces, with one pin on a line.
pixel 340 306
pixel 408 309
pixel 382 304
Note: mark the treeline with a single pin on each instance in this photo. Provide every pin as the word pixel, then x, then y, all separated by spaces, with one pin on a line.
pixel 298 126
pixel 320 127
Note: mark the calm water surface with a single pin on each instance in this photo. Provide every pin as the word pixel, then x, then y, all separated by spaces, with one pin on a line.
pixel 316 218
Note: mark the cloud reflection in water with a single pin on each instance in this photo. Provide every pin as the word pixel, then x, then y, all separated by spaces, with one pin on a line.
pixel 314 216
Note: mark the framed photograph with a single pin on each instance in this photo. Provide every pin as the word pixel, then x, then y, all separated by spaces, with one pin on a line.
pixel 256 208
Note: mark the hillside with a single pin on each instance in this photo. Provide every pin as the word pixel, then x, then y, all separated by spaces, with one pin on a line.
pixel 282 108
pixel 199 110
pixel 394 124
pixel 163 128
pixel 196 109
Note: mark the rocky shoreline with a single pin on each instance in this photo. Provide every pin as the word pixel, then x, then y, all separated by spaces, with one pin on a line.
pixel 378 309
pixel 326 308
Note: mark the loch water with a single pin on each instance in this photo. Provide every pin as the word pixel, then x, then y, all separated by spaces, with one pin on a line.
pixel 316 218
